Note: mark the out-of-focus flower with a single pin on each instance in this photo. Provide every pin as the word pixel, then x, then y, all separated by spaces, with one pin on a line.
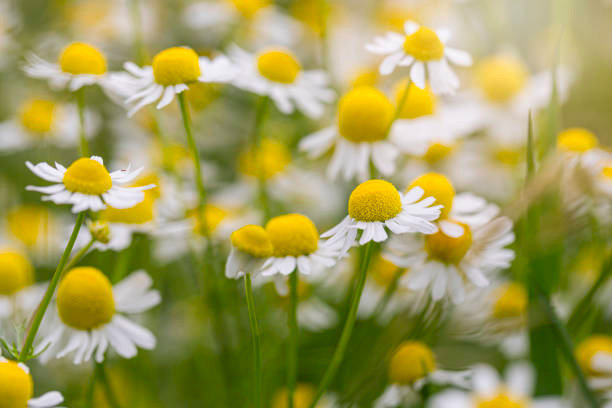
pixel 302 398
pixel 17 388
pixel 18 297
pixel 90 316
pixel 251 246
pixel 425 52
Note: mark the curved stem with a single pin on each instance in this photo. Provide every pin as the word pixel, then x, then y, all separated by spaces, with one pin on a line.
pixel 80 96
pixel 293 337
pixel 256 338
pixel 77 257
pixel 348 326
pixel 108 390
pixel 389 292
pixel 40 312
pixel 400 105
pixel 260 115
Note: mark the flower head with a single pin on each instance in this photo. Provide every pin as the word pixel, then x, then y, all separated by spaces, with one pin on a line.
pixel 501 77
pixel 576 140
pixel 16 272
pixel 17 388
pixel 251 245
pixel 412 361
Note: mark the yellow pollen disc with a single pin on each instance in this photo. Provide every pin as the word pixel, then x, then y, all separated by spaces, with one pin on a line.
pixel 588 348
pixel 302 397
pixel 292 235
pixel 364 114
pixel 508 156
pixel 510 302
pixel 437 152
pixel 365 77
pixel 141 213
pixel 441 247
pixel 253 240
pixel 36 115
pixel 424 45
pixel 438 186
pixel 213 215
pixel 374 200
pixel 176 65
pixel 412 361
pixel 270 159
pixel 80 58
pixel 419 102
pixel 384 271
pixel 278 65
pixel 501 77
pixel 26 223
pixel 87 176
pixel 248 8
pixel 501 400
pixel 606 172
pixel 576 140
pixel 16 272
pixel 85 299
pixel 16 386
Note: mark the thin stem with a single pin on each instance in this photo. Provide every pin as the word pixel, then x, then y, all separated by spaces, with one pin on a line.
pixel 77 257
pixel 40 312
pixel 400 106
pixel 260 115
pixel 293 337
pixel 577 316
pixel 256 339
pixel 348 326
pixel 91 387
pixel 123 261
pixel 139 47
pixel 108 390
pixel 80 96
pixel 196 162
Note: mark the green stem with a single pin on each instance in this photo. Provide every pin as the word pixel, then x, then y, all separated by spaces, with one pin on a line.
pixel 80 96
pixel 123 261
pixel 40 312
pixel 348 326
pixel 108 390
pixel 400 106
pixel 256 338
pixel 260 115
pixel 77 257
pixel 293 337
pixel 139 47
pixel 91 387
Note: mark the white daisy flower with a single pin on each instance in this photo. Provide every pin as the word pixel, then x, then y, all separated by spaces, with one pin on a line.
pixel 359 137
pixel 425 52
pixel 296 244
pixel 277 74
pixel 87 185
pixel 90 316
pixel 375 206
pixel 489 391
pixel 171 72
pixel 16 388
pixel 594 354
pixel 251 246
pixel 79 65
pixel 18 297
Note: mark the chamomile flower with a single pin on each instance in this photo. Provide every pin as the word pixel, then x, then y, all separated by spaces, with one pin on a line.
pixel 79 64
pixel 278 74
pixel 171 72
pixel 90 316
pixel 302 398
pixel 412 366
pixel 296 244
pixel 16 278
pixel 251 246
pixel 17 388
pixel 359 137
pixel 33 227
pixel 87 185
pixel 577 145
pixel 489 391
pixel 375 206
pixel 425 52
pixel 595 357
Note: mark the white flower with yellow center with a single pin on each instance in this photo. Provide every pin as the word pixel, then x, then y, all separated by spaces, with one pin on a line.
pixel 488 391
pixel 18 297
pixel 171 72
pixel 90 316
pixel 376 205
pixel 277 74
pixel 412 366
pixel 79 64
pixel 17 388
pixel 87 185
pixel 594 355
pixel 251 246
pixel 296 244
pixel 359 137
pixel 425 52
pixel 579 146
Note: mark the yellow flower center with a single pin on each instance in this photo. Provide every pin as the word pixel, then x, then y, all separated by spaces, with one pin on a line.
pixel 80 58
pixel 176 65
pixel 438 186
pixel 508 156
pixel 26 222
pixel 419 102
pixel 501 400
pixel 364 115
pixel 585 351
pixel 384 271
pixel 248 8
pixel 15 272
pixel 510 302
pixel 576 140
pixel 37 115
pixel 16 386
pixel 501 77
pixel 270 159
pixel 213 215
pixel 85 299
pixel 374 200
pixel 253 240
pixel 437 152
pixel 292 235
pixel 424 45
pixel 412 361
pixel 441 247
pixel 87 176
pixel 278 65
pixel 365 77
pixel 607 172
pixel 302 397
pixel 139 214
